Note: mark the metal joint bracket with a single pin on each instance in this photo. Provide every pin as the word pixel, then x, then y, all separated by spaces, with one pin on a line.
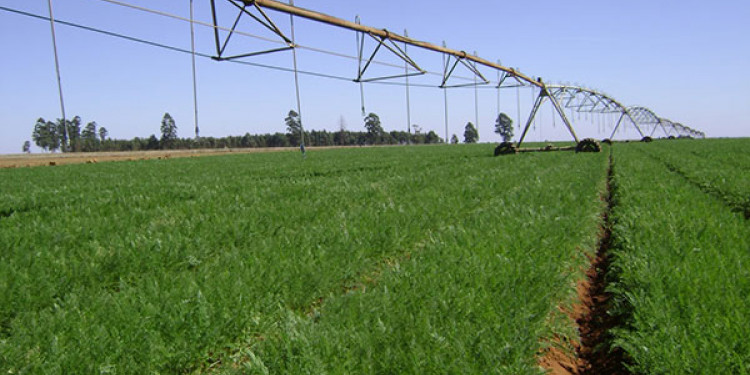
pixel 448 72
pixel 387 42
pixel 263 19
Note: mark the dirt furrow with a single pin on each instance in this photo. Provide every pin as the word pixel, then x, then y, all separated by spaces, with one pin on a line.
pixel 594 354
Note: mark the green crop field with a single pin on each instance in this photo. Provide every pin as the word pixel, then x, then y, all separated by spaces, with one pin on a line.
pixel 434 259
pixel 682 257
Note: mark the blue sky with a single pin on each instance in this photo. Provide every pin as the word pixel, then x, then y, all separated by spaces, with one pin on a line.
pixel 686 60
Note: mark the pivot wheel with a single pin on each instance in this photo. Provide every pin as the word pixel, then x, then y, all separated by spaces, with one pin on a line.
pixel 506 148
pixel 588 145
pixel 647 139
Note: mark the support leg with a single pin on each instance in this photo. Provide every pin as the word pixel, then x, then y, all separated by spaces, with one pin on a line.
pixel 617 126
pixel 561 112
pixel 537 104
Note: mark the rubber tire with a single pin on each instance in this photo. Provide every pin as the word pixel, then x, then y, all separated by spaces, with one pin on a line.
pixel 588 145
pixel 506 148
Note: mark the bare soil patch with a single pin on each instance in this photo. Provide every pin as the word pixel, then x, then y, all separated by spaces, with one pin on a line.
pixel 36 160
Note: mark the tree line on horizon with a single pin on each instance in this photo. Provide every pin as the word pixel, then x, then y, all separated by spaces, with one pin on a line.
pixel 72 137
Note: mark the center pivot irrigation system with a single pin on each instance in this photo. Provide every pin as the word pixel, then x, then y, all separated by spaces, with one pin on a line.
pixel 562 97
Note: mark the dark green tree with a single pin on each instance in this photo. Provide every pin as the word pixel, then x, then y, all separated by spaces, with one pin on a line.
pixel 62 134
pixel 168 131
pixel 454 140
pixel 374 129
pixel 74 133
pixel 152 143
pixel 293 127
pixel 55 137
pixel 504 127
pixel 39 135
pixel 470 133
pixel 432 137
pixel 89 138
pixel 26 147
pixel 103 133
pixel 277 140
pixel 45 135
pixel 89 132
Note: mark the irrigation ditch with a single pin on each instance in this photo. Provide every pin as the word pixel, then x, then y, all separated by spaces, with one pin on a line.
pixel 595 352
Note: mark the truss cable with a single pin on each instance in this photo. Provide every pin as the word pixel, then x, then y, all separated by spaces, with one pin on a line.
pixel 541 128
pixel 296 84
pixel 177 49
pixel 408 102
pixel 176 17
pixel 533 99
pixel 411 84
pixel 554 115
pixel 445 93
pixel 360 49
pixel 195 80
pixel 57 70
pixel 518 106
pixel 246 34
pixel 476 98
pixel 498 90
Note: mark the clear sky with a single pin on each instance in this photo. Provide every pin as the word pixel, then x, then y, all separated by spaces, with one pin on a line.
pixel 686 60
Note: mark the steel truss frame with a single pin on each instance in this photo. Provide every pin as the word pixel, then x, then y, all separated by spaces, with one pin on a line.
pixel 544 94
pixel 562 97
pixel 472 67
pixel 262 19
pixel 645 116
pixel 684 131
pixel 577 99
pixel 383 35
pixel 390 44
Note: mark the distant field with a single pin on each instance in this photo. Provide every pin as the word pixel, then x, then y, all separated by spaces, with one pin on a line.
pixel 48 159
pixel 439 259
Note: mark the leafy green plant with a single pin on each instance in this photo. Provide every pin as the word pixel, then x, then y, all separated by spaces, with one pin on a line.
pixel 278 263
pixel 680 261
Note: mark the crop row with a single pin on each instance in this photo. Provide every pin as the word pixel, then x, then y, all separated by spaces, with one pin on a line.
pixel 376 260
pixel 720 167
pixel 477 294
pixel 681 266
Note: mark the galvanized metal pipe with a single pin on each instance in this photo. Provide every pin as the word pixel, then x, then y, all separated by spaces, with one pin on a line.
pixel 324 18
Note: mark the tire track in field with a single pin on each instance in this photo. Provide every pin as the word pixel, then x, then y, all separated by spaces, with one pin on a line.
pixel 594 354
pixel 741 207
pixel 366 278
pixel 370 277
